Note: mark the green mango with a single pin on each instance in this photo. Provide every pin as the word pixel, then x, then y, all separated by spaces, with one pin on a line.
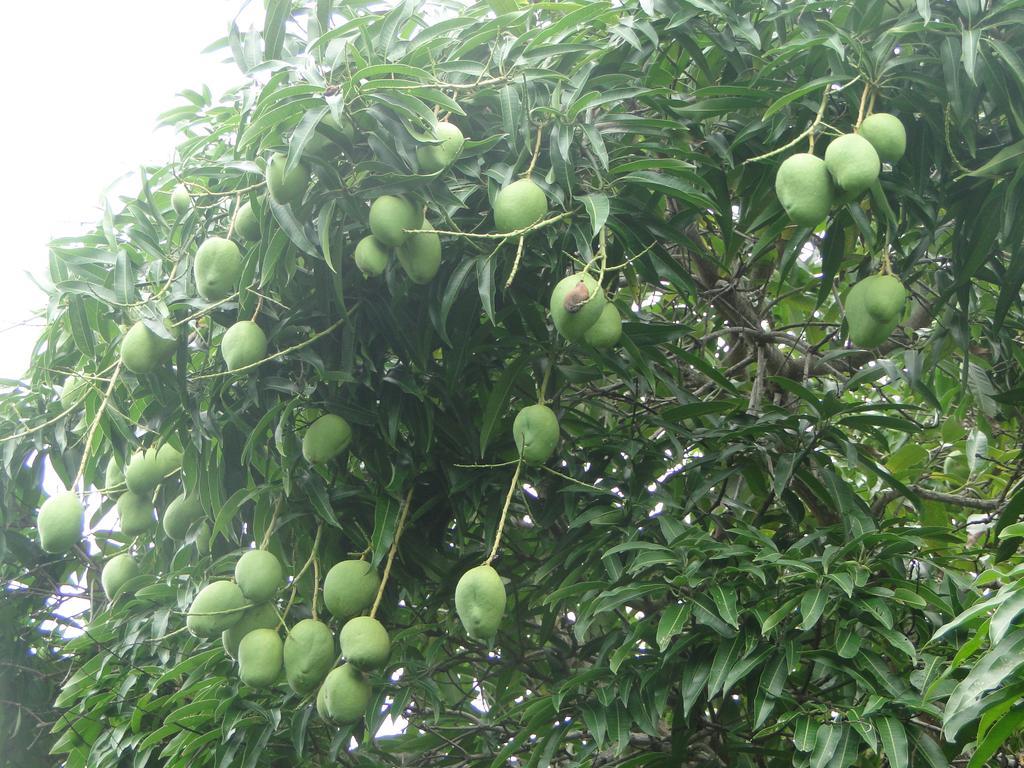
pixel 259 575
pixel 864 330
pixel 243 344
pixel 218 606
pixel 180 516
pixel 884 297
pixel 480 602
pixel 286 187
pixel 853 164
pixel 117 571
pixel 144 472
pixel 168 460
pixel 260 658
pixel 606 330
pixel 535 430
pixel 308 655
pixel 60 523
pixel 142 350
pixel 136 514
pixel 262 616
pixel 350 588
pixel 390 216
pixel 420 255
pixel 886 134
pixel 113 477
pixel 577 302
pixel 346 695
pixel 432 158
pixel 804 188
pixel 371 256
pixel 326 438
pixel 519 205
pixel 217 268
pixel 365 643
pixel 247 224
pixel 181 200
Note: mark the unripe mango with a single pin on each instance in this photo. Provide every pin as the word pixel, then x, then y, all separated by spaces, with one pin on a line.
pixel 259 658
pixel 804 188
pixel 244 343
pixel 325 438
pixel 390 216
pixel 350 588
pixel 136 514
pixel 308 655
pixel 535 431
pixel 259 575
pixel 886 134
pixel 884 297
pixel 365 643
pixel 420 255
pixel 60 523
pixel 346 694
pixel 371 256
pixel 117 571
pixel 262 616
pixel 168 459
pixel 204 538
pixel 288 187
pixel 480 602
pixel 144 472
pixel 217 268
pixel 519 205
pixel 607 330
pixel 142 350
pixel 247 225
pixel 181 201
pixel 436 157
pixel 113 476
pixel 853 164
pixel 218 606
pixel 864 329
pixel 180 515
pixel 576 303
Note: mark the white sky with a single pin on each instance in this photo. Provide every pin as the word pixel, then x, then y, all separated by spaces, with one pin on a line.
pixel 87 81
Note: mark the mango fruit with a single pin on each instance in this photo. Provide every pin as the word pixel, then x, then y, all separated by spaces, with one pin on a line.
pixel 577 302
pixel 262 616
pixel 218 606
pixel 117 571
pixel 144 472
pixel 60 523
pixel 259 575
pixel 113 476
pixel 180 514
pixel 535 430
pixel 168 460
pixel 420 255
pixel 142 350
pixel 246 223
pixel 325 438
pixel 371 256
pixel 804 187
pixel 886 134
pixel 390 216
pixel 519 205
pixel 346 694
pixel 243 344
pixel 886 297
pixel 853 164
pixel 365 643
pixel 432 158
pixel 286 187
pixel 217 268
pixel 480 602
pixel 606 330
pixel 308 655
pixel 181 200
pixel 136 514
pixel 260 658
pixel 349 588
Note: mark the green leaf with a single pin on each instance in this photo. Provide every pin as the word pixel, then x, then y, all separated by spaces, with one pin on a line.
pixel 498 400
pixel 894 741
pixel 596 205
pixel 812 605
pixel 673 620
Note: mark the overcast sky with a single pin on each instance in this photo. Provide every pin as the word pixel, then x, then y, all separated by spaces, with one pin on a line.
pixel 87 79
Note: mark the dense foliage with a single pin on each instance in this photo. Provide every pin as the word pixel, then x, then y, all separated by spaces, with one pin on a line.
pixel 755 545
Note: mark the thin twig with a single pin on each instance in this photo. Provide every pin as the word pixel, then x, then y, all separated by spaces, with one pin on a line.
pixel 391 554
pixel 96 422
pixel 504 513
